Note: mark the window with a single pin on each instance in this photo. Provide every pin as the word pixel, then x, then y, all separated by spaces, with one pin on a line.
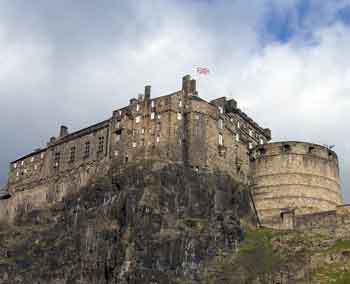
pixel 142 131
pixel 179 116
pixel 158 139
pixel 35 167
pixel 152 104
pixel 197 116
pixel 57 158
pixel 138 119
pixel 237 137
pixel 250 132
pixel 134 145
pixel 120 113
pixel 87 150
pixel 116 153
pixel 221 139
pixel 15 165
pixel 117 125
pixel 153 115
pixel 159 116
pixel 250 145
pixel 42 156
pixel 32 159
pixel 72 155
pixel 221 110
pixel 22 163
pixel 180 103
pixel 137 107
pixel 238 124
pixel 261 141
pixel 101 143
pixel 17 174
pixel 221 124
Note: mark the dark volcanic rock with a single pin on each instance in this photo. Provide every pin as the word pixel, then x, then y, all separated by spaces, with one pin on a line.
pixel 148 223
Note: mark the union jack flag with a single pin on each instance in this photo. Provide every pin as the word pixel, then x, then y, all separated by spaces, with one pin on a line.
pixel 203 71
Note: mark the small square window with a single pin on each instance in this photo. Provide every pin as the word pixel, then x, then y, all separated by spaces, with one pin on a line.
pixel 116 153
pixel 179 116
pixel 32 159
pixel 134 145
pixel 138 119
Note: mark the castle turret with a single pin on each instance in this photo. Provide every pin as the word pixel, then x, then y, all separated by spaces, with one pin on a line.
pixel 294 176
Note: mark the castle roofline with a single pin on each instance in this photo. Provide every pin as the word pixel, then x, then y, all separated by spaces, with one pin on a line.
pixel 81 132
pixel 276 143
pixel 29 155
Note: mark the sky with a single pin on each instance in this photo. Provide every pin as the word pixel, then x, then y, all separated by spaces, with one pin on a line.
pixel 287 63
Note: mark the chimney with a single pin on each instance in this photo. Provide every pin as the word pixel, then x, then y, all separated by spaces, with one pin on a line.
pixel 147 92
pixel 267 133
pixel 63 131
pixel 193 87
pixel 186 84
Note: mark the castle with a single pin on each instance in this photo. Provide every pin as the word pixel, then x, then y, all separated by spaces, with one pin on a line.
pixel 180 128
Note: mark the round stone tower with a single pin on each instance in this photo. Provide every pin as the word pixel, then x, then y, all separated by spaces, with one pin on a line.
pixel 297 176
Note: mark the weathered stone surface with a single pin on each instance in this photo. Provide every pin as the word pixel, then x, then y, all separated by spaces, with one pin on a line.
pixel 147 223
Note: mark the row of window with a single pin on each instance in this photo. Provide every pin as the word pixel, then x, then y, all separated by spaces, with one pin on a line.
pixel 251 132
pixel 87 151
pixel 153 105
pixel 153 116
pixel 32 160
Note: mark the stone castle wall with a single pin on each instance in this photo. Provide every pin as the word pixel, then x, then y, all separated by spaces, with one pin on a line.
pixel 296 176
pixel 176 128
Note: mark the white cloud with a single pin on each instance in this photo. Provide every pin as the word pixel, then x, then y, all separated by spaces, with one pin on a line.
pixel 77 72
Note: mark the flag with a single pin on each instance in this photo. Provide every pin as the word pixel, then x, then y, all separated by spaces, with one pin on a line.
pixel 203 71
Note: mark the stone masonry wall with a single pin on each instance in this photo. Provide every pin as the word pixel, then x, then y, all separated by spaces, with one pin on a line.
pixel 294 175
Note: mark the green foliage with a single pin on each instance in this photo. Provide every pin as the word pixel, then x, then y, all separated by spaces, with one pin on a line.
pixel 256 260
pixel 339 246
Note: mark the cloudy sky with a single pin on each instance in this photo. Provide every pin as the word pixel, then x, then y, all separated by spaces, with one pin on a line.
pixel 286 62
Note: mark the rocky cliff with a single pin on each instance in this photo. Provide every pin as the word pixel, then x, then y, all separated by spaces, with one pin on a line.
pixel 154 223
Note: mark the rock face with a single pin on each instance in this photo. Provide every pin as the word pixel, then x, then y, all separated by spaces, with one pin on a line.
pixel 148 223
